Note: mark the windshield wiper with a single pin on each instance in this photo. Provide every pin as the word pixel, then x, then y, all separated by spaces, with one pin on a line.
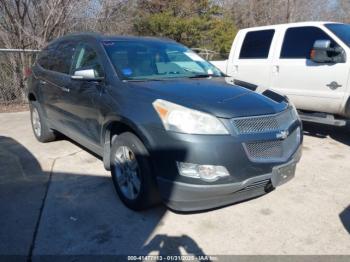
pixel 197 74
pixel 191 71
pixel 200 76
pixel 143 80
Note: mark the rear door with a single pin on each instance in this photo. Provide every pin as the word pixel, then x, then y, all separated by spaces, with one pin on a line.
pixel 43 75
pixel 311 86
pixel 252 58
pixel 55 80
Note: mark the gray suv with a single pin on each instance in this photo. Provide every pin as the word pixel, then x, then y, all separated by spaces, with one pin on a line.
pixel 167 123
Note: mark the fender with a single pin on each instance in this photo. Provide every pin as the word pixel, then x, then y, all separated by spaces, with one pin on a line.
pixel 106 135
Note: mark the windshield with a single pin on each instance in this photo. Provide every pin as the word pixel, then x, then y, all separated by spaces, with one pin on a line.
pixel 342 31
pixel 155 60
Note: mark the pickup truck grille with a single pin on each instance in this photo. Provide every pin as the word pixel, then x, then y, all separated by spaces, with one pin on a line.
pixel 273 150
pixel 264 124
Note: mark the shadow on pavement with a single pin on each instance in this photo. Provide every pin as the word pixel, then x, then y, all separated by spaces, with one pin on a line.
pixel 22 188
pixel 345 218
pixel 173 244
pixel 61 213
pixel 340 134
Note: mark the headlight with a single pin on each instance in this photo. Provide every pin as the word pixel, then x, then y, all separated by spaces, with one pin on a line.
pixel 184 120
pixel 294 111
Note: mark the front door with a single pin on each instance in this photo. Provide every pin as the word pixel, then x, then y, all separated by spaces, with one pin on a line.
pixel 84 97
pixel 310 86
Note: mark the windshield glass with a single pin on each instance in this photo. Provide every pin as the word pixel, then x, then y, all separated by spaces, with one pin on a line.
pixel 155 60
pixel 342 31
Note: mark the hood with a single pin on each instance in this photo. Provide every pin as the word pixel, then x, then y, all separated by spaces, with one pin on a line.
pixel 214 96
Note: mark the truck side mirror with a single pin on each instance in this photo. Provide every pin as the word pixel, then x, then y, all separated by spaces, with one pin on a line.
pixel 322 52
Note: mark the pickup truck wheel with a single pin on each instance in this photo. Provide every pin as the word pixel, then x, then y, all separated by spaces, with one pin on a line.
pixel 40 128
pixel 131 172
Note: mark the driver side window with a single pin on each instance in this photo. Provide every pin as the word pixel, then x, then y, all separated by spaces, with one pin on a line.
pixel 87 58
pixel 298 42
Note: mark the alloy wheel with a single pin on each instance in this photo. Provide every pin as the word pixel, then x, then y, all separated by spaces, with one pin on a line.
pixel 127 172
pixel 36 122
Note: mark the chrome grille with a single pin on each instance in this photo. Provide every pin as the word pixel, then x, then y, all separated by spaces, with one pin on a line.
pixel 273 150
pixel 263 124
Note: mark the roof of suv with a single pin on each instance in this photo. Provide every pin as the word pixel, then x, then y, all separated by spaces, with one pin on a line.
pixel 101 37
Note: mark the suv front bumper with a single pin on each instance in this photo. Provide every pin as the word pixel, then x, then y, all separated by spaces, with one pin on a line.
pixel 193 197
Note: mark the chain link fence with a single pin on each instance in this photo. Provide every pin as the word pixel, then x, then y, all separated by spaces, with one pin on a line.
pixel 14 67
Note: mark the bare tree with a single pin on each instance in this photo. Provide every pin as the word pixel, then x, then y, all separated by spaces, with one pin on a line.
pixel 248 13
pixel 343 9
pixel 107 16
pixel 31 24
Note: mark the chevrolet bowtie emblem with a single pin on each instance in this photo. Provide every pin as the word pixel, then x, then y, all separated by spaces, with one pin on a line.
pixel 282 134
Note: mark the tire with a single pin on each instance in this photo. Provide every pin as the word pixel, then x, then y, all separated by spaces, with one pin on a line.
pixel 40 129
pixel 131 172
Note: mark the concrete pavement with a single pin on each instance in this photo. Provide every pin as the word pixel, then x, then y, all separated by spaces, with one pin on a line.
pixel 56 198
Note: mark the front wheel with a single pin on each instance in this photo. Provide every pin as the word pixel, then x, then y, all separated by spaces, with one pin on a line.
pixel 131 172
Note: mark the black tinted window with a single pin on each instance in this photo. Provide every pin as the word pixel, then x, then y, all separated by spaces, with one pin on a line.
pixel 256 45
pixel 45 57
pixel 57 57
pixel 298 41
pixel 63 56
pixel 87 58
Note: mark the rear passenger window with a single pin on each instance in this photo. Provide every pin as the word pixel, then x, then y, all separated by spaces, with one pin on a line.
pixel 45 58
pixel 57 57
pixel 256 44
pixel 63 57
pixel 298 41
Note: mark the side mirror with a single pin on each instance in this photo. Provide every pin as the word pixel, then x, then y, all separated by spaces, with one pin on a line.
pixel 322 52
pixel 86 74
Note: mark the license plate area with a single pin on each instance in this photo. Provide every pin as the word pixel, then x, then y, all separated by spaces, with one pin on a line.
pixel 282 174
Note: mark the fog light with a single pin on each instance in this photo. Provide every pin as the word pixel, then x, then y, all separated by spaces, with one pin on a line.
pixel 205 172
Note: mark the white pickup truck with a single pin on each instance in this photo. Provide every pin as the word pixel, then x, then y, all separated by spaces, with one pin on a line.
pixel 309 62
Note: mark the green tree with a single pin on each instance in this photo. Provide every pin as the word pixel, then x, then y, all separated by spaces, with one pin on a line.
pixel 193 23
pixel 222 34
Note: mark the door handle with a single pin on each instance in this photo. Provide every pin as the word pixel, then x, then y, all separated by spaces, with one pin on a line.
pixel 65 89
pixel 42 82
pixel 275 69
pixel 235 68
